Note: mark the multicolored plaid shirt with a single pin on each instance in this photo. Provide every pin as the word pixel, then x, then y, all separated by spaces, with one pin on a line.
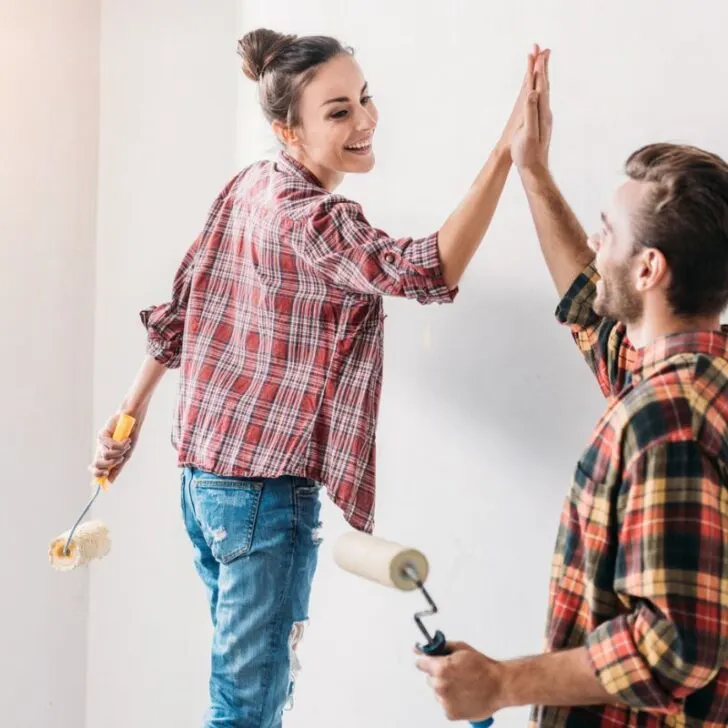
pixel 640 572
pixel 276 324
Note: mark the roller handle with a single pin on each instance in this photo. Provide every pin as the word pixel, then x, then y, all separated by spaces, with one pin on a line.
pixel 437 647
pixel 124 426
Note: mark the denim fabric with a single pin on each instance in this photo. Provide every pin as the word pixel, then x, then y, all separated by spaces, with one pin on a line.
pixel 256 549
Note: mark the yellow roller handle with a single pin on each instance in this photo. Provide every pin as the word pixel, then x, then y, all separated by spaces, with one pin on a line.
pixel 124 426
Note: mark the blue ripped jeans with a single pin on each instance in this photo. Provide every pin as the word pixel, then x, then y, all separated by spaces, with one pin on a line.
pixel 256 548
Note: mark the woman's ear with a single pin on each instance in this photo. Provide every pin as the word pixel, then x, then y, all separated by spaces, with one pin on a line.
pixel 286 134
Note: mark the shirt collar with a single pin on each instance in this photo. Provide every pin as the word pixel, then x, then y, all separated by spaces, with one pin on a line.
pixel 654 356
pixel 288 164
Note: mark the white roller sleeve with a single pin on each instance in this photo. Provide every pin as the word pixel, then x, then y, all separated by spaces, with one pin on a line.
pixel 90 541
pixel 379 560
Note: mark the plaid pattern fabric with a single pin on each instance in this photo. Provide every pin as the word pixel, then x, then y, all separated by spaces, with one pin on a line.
pixel 640 571
pixel 276 324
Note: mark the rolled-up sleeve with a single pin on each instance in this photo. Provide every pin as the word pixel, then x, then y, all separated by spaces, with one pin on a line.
pixel 602 341
pixel 165 322
pixel 672 567
pixel 340 243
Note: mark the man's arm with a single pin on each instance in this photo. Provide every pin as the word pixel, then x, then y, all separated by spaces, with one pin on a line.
pixel 471 686
pixel 561 236
pixel 671 566
pixel 570 261
pixel 564 678
pixel 671 562
pixel 603 342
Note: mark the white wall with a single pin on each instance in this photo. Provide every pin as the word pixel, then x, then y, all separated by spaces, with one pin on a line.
pixel 48 142
pixel 168 127
pixel 479 430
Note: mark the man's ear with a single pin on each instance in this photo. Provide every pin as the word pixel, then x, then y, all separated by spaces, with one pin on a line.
pixel 653 270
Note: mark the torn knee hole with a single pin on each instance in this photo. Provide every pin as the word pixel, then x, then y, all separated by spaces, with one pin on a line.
pixel 294 639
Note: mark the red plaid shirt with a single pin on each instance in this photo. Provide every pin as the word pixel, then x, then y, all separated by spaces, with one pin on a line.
pixel 640 571
pixel 276 324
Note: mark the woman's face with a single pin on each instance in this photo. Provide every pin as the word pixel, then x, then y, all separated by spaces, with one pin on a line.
pixel 337 122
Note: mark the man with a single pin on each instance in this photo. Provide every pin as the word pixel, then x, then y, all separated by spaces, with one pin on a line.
pixel 638 614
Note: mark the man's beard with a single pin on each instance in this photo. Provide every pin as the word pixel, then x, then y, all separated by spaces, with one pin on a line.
pixel 617 298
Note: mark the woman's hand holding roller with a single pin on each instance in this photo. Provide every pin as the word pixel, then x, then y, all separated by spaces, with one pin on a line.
pixel 111 456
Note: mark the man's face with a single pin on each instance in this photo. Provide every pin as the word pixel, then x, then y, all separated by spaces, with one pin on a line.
pixel 617 256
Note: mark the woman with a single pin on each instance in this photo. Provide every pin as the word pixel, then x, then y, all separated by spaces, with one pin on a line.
pixel 275 321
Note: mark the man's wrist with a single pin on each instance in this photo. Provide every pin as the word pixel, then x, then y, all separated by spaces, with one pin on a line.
pixel 507 682
pixel 535 176
pixel 518 681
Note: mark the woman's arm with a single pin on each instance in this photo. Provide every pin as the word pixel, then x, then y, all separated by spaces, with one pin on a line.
pixel 348 251
pixel 111 456
pixel 461 234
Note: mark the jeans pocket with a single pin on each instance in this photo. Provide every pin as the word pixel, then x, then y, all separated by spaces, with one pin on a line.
pixel 227 510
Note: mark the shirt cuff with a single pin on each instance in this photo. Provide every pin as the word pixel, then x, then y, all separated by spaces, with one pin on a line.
pixel 622 668
pixel 162 350
pixel 576 307
pixel 420 270
pixel 163 354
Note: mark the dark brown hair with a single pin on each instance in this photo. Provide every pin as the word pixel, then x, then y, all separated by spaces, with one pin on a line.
pixel 685 217
pixel 282 65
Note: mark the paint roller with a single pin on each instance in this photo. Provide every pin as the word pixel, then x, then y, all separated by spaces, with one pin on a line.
pixel 399 567
pixel 84 542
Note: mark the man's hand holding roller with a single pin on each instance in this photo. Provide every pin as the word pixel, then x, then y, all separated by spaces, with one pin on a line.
pixel 471 686
pixel 466 683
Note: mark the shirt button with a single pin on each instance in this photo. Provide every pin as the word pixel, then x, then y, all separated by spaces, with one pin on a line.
pixel 389 257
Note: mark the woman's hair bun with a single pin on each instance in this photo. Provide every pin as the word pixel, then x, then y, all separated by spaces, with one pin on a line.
pixel 259 49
